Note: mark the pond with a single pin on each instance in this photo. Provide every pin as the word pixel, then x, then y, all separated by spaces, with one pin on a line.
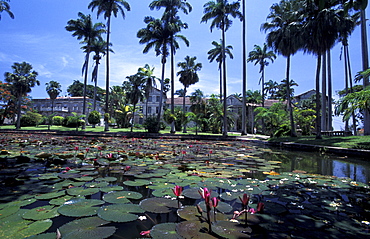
pixel 74 187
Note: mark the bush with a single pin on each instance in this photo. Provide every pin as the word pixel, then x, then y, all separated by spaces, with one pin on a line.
pixel 58 120
pixel 72 122
pixel 94 117
pixel 31 119
pixel 151 124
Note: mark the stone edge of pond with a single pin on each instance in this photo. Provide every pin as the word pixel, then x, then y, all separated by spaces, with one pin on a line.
pixel 361 153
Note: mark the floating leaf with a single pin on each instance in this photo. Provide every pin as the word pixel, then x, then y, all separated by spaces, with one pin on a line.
pixel 230 230
pixel 41 213
pixel 47 196
pixel 158 205
pixel 121 196
pixel 111 188
pixel 193 230
pixel 8 211
pixel 120 212
pixel 137 183
pixel 60 201
pixel 164 231
pixel 86 228
pixel 80 207
pixel 107 179
pixel 80 191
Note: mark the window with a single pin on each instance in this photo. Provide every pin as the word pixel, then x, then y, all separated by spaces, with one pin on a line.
pixel 156 110
pixel 149 110
pixel 150 99
pixel 157 98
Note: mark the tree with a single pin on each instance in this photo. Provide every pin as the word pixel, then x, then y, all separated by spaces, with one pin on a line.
pixel 216 53
pixel 260 56
pixel 146 73
pixel 7 107
pixel 157 36
pixel 76 89
pixel 172 7
pixel 53 89
pixel 22 80
pixel 109 8
pixel 271 88
pixel 5 7
pixel 219 11
pixel 136 93
pixel 180 93
pixel 98 46
pixel 285 28
pixel 83 28
pixel 188 76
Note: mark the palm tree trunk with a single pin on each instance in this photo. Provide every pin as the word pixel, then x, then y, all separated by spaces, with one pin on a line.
pixel 19 112
pixel 330 94
pixel 293 132
pixel 346 127
pixel 183 110
pixel 351 91
pixel 244 79
pixel 220 69
pixel 133 117
pixel 85 84
pixel 365 66
pixel 172 86
pixel 318 116
pixel 162 89
pixel 106 128
pixel 224 82
pixel 323 93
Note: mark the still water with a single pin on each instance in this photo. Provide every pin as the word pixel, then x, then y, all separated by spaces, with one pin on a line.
pixel 358 169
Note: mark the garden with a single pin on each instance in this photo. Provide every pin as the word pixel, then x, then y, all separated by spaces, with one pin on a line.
pixel 118 187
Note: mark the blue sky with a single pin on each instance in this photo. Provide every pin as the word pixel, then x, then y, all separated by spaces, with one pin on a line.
pixel 37 35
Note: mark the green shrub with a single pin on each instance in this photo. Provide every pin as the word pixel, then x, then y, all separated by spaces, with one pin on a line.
pixel 31 119
pixel 94 117
pixel 58 120
pixel 151 124
pixel 71 122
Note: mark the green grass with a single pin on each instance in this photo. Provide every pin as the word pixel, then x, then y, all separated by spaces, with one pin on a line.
pixel 351 142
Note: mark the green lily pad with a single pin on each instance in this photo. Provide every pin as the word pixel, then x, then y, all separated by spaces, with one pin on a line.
pixel 158 205
pixel 121 196
pixel 230 230
pixel 84 179
pixel 193 230
pixel 111 188
pixel 50 235
pixel 60 201
pixel 221 207
pixel 80 207
pixel 120 212
pixel 106 179
pixel 33 229
pixel 163 192
pixel 164 231
pixel 9 211
pixel 80 191
pixel 137 183
pixel 47 196
pixel 86 228
pixel 96 184
pixel 41 213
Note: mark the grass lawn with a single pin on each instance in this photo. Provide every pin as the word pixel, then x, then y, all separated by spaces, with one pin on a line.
pixel 351 142
pixel 111 129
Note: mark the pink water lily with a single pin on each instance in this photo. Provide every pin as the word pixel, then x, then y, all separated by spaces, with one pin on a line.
pixel 205 194
pixel 177 191
pixel 215 201
pixel 260 207
pixel 245 199
pixel 144 233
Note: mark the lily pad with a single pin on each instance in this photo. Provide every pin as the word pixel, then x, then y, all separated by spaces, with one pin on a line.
pixel 158 205
pixel 80 191
pixel 230 230
pixel 41 213
pixel 80 207
pixel 8 211
pixel 111 188
pixel 60 201
pixel 120 212
pixel 86 228
pixel 193 230
pixel 222 207
pixel 121 196
pixel 47 196
pixel 164 231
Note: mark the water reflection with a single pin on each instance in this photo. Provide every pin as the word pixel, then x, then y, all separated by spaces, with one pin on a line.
pixel 317 163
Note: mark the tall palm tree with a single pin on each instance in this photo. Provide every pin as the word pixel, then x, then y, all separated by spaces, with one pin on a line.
pixel 271 87
pixel 22 80
pixel 321 32
pixel 146 73
pixel 244 76
pixel 136 93
pixel 188 76
pixel 53 88
pixel 285 37
pixel 220 11
pixel 216 54
pixel 5 7
pixel 99 47
pixel 109 8
pixel 84 29
pixel 261 55
pixel 172 7
pixel 157 35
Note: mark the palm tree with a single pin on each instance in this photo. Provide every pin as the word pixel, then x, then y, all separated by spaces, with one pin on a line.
pixel 170 16
pixel 260 56
pixel 157 35
pixel 5 7
pixel 285 38
pixel 216 53
pixel 146 73
pixel 321 32
pixel 188 76
pixel 99 47
pixel 136 93
pixel 272 87
pixel 109 8
pixel 22 80
pixel 219 11
pixel 53 89
pixel 83 28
